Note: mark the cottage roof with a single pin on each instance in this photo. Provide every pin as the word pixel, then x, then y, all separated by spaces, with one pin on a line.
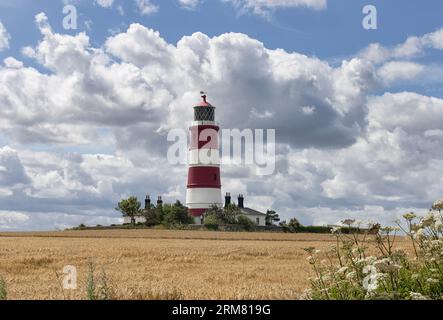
pixel 249 211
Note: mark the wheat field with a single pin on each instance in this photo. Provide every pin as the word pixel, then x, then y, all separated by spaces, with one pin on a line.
pixel 160 264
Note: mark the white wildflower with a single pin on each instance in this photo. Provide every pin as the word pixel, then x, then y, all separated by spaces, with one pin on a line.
pixel 370 259
pixel 438 205
pixel 370 282
pixel 351 275
pixel 342 270
pixel 420 233
pixel 417 296
pixel 428 221
pixel 432 280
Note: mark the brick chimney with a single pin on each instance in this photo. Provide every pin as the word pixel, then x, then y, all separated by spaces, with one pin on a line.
pixel 241 201
pixel 159 201
pixel 227 199
pixel 148 202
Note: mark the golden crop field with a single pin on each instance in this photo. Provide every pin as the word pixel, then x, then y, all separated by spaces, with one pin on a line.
pixel 160 264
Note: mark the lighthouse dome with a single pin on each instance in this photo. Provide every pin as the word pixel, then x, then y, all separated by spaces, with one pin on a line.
pixel 204 102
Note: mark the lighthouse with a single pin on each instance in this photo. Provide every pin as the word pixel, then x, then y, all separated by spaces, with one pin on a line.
pixel 204 183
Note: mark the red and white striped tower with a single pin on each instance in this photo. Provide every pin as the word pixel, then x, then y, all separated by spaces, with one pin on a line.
pixel 204 183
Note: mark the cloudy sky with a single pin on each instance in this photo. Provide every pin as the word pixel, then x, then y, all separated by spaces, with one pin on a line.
pixel 84 113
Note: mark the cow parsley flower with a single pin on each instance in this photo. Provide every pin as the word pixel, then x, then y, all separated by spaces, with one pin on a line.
pixel 351 275
pixel 336 230
pixel 438 205
pixel 342 270
pixel 417 296
pixel 432 281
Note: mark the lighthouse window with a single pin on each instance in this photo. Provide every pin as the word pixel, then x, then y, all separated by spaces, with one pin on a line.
pixel 204 114
pixel 215 177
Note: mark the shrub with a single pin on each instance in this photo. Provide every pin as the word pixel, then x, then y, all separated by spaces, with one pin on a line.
pixel 176 214
pixel 294 225
pixel 245 222
pixel 230 214
pixel 211 222
pixel 98 289
pixel 313 229
pixel 347 271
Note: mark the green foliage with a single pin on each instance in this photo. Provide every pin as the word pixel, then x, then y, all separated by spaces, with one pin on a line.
pixel 90 282
pixel 271 217
pixel 160 212
pixel 230 214
pixel 246 223
pixel 347 271
pixel 217 212
pixel 313 229
pixel 98 288
pixel 176 214
pixel 129 207
pixel 294 225
pixel 152 217
pixel 211 222
pixel 3 289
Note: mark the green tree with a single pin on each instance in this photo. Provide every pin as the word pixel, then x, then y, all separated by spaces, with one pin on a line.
pixel 151 217
pixel 272 217
pixel 294 225
pixel 176 214
pixel 217 212
pixel 245 222
pixel 211 222
pixel 230 214
pixel 160 212
pixel 129 208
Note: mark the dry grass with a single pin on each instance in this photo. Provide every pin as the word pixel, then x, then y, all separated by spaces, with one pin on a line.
pixel 161 264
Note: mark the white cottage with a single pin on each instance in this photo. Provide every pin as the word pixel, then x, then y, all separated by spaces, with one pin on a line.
pixel 259 218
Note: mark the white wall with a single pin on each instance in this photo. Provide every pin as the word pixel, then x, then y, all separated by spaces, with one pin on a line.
pixel 138 219
pixel 253 218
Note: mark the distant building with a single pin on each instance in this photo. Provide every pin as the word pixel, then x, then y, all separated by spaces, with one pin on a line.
pixel 140 217
pixel 259 218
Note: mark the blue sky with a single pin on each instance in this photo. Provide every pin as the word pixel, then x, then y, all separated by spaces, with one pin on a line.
pixel 332 34
pixel 84 115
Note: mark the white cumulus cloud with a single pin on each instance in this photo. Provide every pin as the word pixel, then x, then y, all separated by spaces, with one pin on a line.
pixel 146 7
pixel 4 37
pixel 105 3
